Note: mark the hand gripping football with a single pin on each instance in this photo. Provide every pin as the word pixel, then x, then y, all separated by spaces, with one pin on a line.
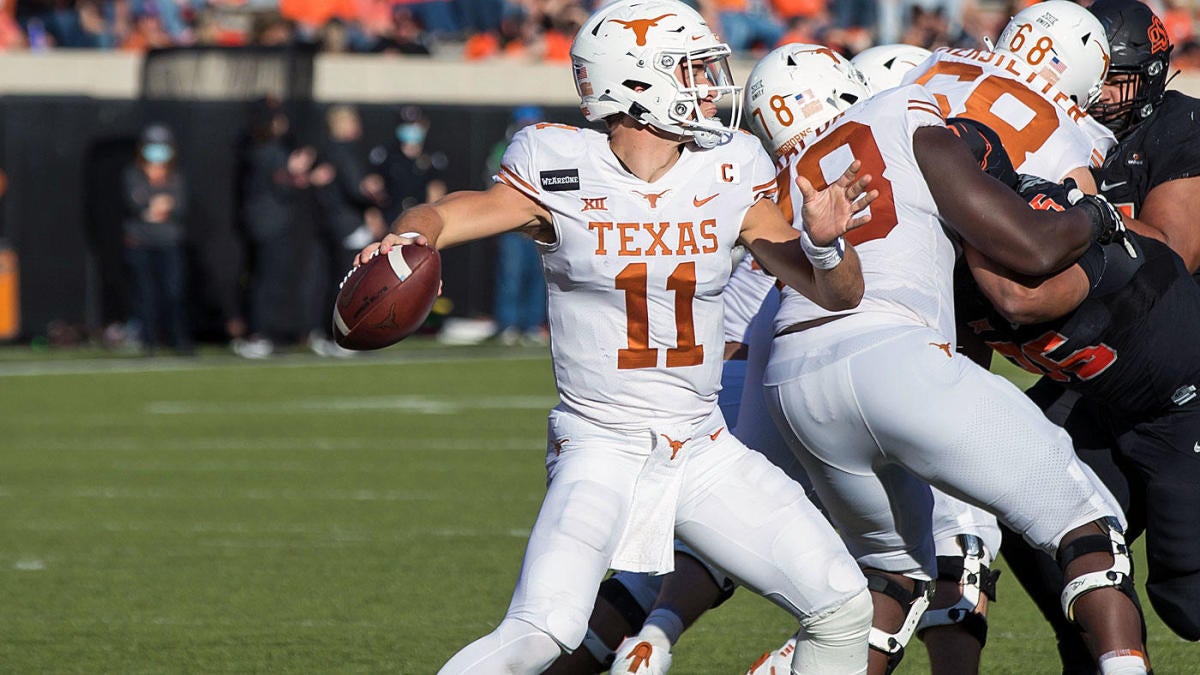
pixel 387 298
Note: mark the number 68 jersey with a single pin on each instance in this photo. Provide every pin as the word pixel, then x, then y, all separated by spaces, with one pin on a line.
pixel 636 270
pixel 1044 132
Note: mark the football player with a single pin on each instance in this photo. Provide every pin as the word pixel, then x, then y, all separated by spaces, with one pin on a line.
pixel 1032 90
pixel 878 401
pixel 885 66
pixel 1153 175
pixel 1150 175
pixel 635 226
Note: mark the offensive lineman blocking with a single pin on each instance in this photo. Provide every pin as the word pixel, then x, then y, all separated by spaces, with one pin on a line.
pixel 877 397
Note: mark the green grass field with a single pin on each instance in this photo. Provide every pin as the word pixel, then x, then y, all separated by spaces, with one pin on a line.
pixel 213 515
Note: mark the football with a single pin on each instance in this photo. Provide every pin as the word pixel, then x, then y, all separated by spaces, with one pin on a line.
pixel 387 298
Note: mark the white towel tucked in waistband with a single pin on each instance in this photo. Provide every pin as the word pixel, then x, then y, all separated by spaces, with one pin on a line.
pixel 647 544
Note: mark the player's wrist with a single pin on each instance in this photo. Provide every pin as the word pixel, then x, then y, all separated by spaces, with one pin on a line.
pixel 823 257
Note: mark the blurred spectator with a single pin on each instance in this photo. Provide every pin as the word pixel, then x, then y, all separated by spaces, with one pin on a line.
pixel 155 198
pixel 146 33
pixel 410 175
pixel 1180 21
pixel 928 27
pixel 349 220
pixel 745 23
pixel 11 35
pixel 274 173
pixel 404 36
pixel 272 30
pixel 50 23
pixel 479 15
pixel 520 307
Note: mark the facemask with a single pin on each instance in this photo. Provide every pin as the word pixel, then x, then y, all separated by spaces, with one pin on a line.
pixel 157 153
pixel 410 133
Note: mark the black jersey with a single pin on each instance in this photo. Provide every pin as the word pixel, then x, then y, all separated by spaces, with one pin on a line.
pixel 1132 349
pixel 1164 147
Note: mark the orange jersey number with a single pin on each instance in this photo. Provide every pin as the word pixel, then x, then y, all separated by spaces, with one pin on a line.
pixel 1034 356
pixel 639 354
pixel 861 142
pixel 1031 119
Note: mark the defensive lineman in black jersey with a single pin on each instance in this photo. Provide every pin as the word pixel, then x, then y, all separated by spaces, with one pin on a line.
pixel 1126 354
pixel 1137 424
pixel 1153 174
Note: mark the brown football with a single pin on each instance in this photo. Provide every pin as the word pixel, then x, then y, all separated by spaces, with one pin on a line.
pixel 387 298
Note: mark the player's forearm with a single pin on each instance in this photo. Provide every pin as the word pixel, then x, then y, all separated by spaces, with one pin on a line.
pixel 836 289
pixel 1028 300
pixel 424 220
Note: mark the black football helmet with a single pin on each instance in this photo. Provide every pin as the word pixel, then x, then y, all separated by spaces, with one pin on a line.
pixel 1141 52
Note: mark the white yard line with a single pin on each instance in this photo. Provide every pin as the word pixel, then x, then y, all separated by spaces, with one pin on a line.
pixel 224 443
pixel 170 364
pixel 425 405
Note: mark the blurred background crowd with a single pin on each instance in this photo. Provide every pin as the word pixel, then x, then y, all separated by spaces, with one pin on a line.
pixel 231 218
pixel 538 30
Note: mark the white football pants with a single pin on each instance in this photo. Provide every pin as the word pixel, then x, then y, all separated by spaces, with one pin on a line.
pixel 735 509
pixel 873 425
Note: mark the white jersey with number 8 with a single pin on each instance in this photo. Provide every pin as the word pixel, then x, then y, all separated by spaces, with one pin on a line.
pixel 636 271
pixel 907 259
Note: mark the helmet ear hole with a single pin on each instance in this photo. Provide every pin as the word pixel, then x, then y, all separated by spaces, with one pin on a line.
pixel 635 85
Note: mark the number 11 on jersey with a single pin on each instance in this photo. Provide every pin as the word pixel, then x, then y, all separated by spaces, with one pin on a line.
pixel 639 354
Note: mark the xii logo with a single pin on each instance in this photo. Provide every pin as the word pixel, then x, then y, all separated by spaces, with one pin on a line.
pixel 594 204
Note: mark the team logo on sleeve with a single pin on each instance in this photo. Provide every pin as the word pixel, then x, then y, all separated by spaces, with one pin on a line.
pixel 560 180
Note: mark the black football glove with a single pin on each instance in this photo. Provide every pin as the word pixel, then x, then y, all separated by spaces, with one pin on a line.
pixel 1107 225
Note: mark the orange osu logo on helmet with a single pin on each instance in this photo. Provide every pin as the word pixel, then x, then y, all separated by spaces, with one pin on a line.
pixel 1159 40
pixel 641 26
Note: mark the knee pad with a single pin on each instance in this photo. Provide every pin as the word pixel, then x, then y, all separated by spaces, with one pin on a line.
pixel 830 643
pixel 1119 576
pixel 916 602
pixel 1177 601
pixel 970 570
pixel 514 646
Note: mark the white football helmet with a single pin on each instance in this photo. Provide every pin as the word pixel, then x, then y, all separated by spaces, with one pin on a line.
pixel 885 66
pixel 627 60
pixel 1064 43
pixel 795 89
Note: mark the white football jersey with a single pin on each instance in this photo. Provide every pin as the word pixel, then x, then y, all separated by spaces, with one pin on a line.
pixel 907 258
pixel 1043 130
pixel 744 295
pixel 636 272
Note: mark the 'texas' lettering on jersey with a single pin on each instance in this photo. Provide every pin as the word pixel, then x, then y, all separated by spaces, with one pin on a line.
pixel 651 239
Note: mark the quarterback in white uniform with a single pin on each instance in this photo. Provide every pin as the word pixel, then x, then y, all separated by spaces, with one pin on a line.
pixel 877 399
pixel 636 228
